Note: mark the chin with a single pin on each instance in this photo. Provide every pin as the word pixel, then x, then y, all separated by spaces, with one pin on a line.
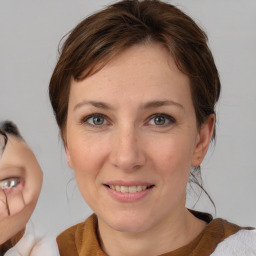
pixel 128 227
pixel 130 223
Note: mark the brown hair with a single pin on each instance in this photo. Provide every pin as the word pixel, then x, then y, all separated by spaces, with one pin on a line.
pixel 101 36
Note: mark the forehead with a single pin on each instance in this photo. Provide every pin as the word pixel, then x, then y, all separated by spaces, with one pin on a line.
pixel 147 68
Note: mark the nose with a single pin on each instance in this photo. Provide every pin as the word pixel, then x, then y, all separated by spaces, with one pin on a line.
pixel 127 151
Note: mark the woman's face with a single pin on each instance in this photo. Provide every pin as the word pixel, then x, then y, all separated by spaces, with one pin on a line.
pixel 17 204
pixel 132 127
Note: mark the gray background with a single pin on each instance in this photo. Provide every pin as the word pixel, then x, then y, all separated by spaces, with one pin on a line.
pixel 30 33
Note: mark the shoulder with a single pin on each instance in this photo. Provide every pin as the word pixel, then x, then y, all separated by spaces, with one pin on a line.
pixel 67 240
pixel 219 233
pixel 229 228
pixel 241 243
pixel 72 239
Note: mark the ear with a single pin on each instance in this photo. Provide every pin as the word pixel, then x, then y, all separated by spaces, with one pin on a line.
pixel 68 157
pixel 203 140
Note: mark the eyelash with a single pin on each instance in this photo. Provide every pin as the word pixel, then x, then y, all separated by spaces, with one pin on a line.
pixel 96 115
pixel 168 118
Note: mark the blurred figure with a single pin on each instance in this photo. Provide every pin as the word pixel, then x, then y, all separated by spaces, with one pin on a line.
pixel 20 184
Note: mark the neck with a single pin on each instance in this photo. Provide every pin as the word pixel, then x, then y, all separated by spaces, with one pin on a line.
pixel 170 234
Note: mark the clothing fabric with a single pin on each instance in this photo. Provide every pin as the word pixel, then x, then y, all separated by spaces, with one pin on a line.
pixel 11 242
pixel 219 238
pixel 26 244
pixel 83 239
pixel 242 243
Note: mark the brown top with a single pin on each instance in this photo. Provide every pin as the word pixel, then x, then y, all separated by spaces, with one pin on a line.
pixel 82 239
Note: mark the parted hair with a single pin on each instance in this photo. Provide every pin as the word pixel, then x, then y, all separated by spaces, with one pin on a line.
pixel 100 37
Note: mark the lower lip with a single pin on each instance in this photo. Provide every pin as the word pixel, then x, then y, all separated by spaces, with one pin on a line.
pixel 128 197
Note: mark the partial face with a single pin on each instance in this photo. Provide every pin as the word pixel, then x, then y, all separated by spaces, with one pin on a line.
pixel 132 137
pixel 17 204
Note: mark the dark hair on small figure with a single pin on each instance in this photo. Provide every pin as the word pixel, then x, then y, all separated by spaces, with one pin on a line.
pixel 3 141
pixel 10 128
pixel 7 128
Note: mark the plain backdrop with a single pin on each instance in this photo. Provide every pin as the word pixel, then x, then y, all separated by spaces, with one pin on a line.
pixel 30 33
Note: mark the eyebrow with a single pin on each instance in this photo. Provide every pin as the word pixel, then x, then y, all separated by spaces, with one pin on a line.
pixel 160 103
pixel 151 104
pixel 97 104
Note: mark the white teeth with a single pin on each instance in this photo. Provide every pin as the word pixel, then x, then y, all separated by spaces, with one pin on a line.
pixel 132 189
pixel 128 189
pixel 139 188
pixel 124 189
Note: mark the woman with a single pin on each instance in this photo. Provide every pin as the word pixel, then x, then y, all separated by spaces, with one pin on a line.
pixel 20 185
pixel 134 94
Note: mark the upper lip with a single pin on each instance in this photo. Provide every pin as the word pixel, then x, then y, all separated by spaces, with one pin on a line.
pixel 128 183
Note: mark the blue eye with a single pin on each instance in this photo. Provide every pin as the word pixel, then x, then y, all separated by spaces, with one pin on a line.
pixel 161 120
pixel 96 120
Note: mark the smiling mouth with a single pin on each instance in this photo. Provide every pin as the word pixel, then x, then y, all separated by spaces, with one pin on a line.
pixel 129 189
pixel 10 183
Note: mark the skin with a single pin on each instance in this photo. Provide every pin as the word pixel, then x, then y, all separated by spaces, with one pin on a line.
pixel 18 160
pixel 129 146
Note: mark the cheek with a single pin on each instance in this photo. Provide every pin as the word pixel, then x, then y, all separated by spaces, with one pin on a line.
pixel 173 159
pixel 33 182
pixel 174 150
pixel 87 156
pixel 84 162
pixel 84 152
